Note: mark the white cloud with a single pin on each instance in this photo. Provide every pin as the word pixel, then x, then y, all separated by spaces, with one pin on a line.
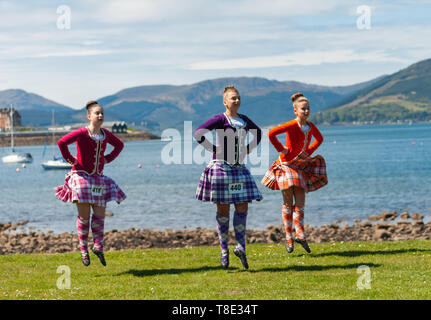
pixel 77 53
pixel 304 58
pixel 135 42
pixel 91 42
pixel 15 15
pixel 130 11
pixel 283 8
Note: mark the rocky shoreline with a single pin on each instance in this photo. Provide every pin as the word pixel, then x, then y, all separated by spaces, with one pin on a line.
pixel 388 226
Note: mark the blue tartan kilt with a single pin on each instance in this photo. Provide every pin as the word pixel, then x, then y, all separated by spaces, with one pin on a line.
pixel 223 183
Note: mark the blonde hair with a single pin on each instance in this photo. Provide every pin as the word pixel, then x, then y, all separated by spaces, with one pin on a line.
pixel 229 88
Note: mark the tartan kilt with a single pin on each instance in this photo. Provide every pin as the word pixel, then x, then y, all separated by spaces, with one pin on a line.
pixel 80 187
pixel 222 183
pixel 304 171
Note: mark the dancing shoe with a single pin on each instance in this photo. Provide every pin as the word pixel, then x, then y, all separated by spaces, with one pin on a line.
pixel 85 257
pixel 289 248
pixel 100 255
pixel 240 253
pixel 224 261
pixel 304 244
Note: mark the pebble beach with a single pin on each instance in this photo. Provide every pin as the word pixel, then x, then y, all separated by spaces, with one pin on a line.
pixel 387 226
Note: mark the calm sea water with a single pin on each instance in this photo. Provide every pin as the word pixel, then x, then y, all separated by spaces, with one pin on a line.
pixel 370 169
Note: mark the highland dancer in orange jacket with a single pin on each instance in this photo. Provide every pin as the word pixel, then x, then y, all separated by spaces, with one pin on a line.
pixel 295 172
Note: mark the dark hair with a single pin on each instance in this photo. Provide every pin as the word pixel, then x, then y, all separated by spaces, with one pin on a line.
pixel 296 96
pixel 90 104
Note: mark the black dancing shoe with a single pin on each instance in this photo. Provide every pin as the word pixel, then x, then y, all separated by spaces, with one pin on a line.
pixel 100 255
pixel 85 257
pixel 289 248
pixel 224 260
pixel 304 244
pixel 241 255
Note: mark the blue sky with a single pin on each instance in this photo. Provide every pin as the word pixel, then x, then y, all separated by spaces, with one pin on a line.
pixel 116 44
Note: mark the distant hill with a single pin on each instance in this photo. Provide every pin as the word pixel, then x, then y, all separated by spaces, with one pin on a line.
pixel 404 95
pixel 265 101
pixel 157 107
pixel 35 110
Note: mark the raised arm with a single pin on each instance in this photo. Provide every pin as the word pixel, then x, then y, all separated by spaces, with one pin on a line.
pixel 274 132
pixel 200 132
pixel 318 139
pixel 257 135
pixel 63 144
pixel 116 143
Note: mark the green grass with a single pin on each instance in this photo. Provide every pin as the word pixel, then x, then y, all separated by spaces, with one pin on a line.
pixel 399 270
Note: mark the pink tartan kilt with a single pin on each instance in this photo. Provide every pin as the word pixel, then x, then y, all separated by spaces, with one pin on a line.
pixel 94 189
pixel 304 171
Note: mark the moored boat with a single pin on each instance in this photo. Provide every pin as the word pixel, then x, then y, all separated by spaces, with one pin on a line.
pixel 56 164
pixel 15 157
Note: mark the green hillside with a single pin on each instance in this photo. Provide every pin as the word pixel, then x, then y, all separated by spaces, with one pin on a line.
pixel 158 107
pixel 265 101
pixel 402 96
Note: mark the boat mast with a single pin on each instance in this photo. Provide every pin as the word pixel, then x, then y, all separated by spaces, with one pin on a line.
pixel 11 127
pixel 53 132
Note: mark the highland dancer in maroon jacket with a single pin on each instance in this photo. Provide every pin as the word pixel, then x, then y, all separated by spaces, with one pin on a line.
pixel 85 184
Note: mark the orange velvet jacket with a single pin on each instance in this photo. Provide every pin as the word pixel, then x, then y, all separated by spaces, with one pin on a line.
pixel 296 140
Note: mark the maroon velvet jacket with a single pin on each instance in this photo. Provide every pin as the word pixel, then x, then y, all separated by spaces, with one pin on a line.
pixel 90 152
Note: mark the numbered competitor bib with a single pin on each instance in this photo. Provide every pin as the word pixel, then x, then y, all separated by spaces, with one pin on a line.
pixel 235 188
pixel 97 191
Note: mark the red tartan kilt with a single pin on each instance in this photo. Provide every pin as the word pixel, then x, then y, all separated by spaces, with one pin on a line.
pixel 304 171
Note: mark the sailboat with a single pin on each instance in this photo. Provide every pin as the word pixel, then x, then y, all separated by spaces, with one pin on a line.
pixel 57 162
pixel 15 157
